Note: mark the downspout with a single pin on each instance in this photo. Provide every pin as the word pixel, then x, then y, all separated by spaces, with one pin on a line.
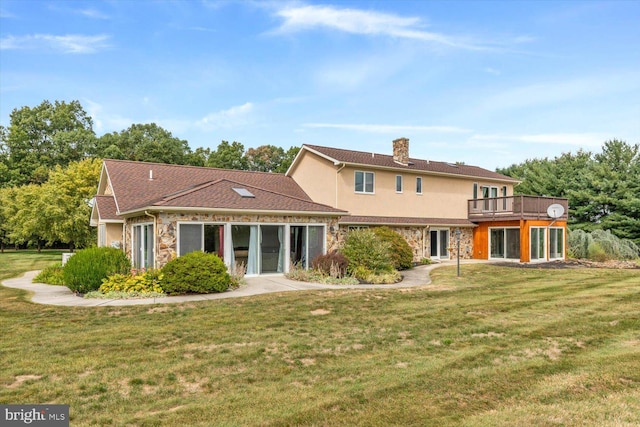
pixel 155 238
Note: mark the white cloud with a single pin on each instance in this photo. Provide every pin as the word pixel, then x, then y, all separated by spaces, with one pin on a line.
pixel 234 116
pixel 71 43
pixel 356 21
pixel 93 13
pixel 382 128
pixel 574 139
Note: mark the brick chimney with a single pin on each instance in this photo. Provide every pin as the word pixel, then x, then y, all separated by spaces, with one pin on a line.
pixel 401 150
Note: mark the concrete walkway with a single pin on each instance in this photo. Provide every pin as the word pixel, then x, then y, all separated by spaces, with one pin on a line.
pixel 61 295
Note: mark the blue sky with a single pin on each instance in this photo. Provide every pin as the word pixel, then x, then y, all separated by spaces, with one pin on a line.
pixel 486 83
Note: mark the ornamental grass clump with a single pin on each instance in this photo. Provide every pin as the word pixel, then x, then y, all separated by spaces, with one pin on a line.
pixel 85 271
pixel 196 273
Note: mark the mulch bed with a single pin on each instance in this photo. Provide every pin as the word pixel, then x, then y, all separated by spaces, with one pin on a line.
pixel 574 263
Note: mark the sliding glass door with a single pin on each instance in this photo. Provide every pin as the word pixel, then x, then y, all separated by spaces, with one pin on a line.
pixel 439 243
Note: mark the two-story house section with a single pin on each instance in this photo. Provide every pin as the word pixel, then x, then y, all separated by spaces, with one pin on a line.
pixel 431 202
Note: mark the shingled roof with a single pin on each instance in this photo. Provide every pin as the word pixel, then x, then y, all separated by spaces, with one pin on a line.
pixel 404 221
pixel 140 185
pixel 375 160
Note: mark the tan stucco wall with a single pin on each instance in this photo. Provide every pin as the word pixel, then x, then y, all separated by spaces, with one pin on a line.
pixel 442 196
pixel 114 233
pixel 317 177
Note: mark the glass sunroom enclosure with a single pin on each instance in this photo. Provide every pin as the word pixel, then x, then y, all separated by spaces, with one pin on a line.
pixel 261 248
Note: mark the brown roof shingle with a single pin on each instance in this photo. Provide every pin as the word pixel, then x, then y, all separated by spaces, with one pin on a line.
pixel 418 165
pixel 137 185
pixel 106 206
pixel 393 220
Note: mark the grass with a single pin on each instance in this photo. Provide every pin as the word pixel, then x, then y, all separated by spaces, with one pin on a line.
pixel 498 346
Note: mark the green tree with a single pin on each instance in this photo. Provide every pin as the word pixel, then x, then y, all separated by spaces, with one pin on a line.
pixel 7 195
pixel 228 156
pixel 43 137
pixel 288 158
pixel 68 193
pixel 25 211
pixel 144 143
pixel 265 158
pixel 603 189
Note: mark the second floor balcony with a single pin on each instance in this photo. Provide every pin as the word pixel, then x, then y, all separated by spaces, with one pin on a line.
pixel 514 207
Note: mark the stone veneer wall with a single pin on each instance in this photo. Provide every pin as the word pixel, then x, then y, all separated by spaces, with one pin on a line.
pixel 166 235
pixel 419 239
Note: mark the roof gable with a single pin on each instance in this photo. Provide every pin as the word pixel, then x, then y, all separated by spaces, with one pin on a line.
pixel 139 185
pixel 383 161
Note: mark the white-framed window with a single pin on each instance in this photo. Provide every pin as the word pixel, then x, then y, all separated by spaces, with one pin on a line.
pixel 398 183
pixel 504 242
pixel 537 236
pixel 102 235
pixel 305 243
pixel 556 243
pixel 490 193
pixel 206 237
pixel 364 182
pixel 419 185
pixel 143 247
pixel 475 195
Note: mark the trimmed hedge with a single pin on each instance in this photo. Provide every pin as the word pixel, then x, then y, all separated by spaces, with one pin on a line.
pixel 195 273
pixel 85 271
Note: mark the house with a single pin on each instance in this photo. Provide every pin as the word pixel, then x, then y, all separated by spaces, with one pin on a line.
pixel 266 221
pixel 432 203
pixel 156 212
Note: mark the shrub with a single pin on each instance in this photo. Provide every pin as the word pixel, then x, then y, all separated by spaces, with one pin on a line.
pixel 196 272
pixel 364 249
pixel 601 245
pixel 400 252
pixel 333 264
pixel 85 270
pixel 147 282
pixel 597 253
pixel 52 275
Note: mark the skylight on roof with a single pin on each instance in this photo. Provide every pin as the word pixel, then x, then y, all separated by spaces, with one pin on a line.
pixel 243 192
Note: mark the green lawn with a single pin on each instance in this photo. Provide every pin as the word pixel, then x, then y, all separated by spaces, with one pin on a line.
pixel 499 346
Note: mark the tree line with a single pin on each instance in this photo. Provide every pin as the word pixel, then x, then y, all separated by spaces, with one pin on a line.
pixel 50 160
pixel 50 165
pixel 603 189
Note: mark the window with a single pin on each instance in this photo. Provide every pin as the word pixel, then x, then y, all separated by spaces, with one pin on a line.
pixel 556 243
pixel 504 198
pixel 364 182
pixel 475 195
pixel 143 248
pixel 398 183
pixel 201 237
pixel 306 243
pixel 504 243
pixel 537 244
pixel 102 235
pixel 489 193
pixel 419 185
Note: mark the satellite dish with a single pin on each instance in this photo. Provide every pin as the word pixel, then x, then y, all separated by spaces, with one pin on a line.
pixel 555 211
